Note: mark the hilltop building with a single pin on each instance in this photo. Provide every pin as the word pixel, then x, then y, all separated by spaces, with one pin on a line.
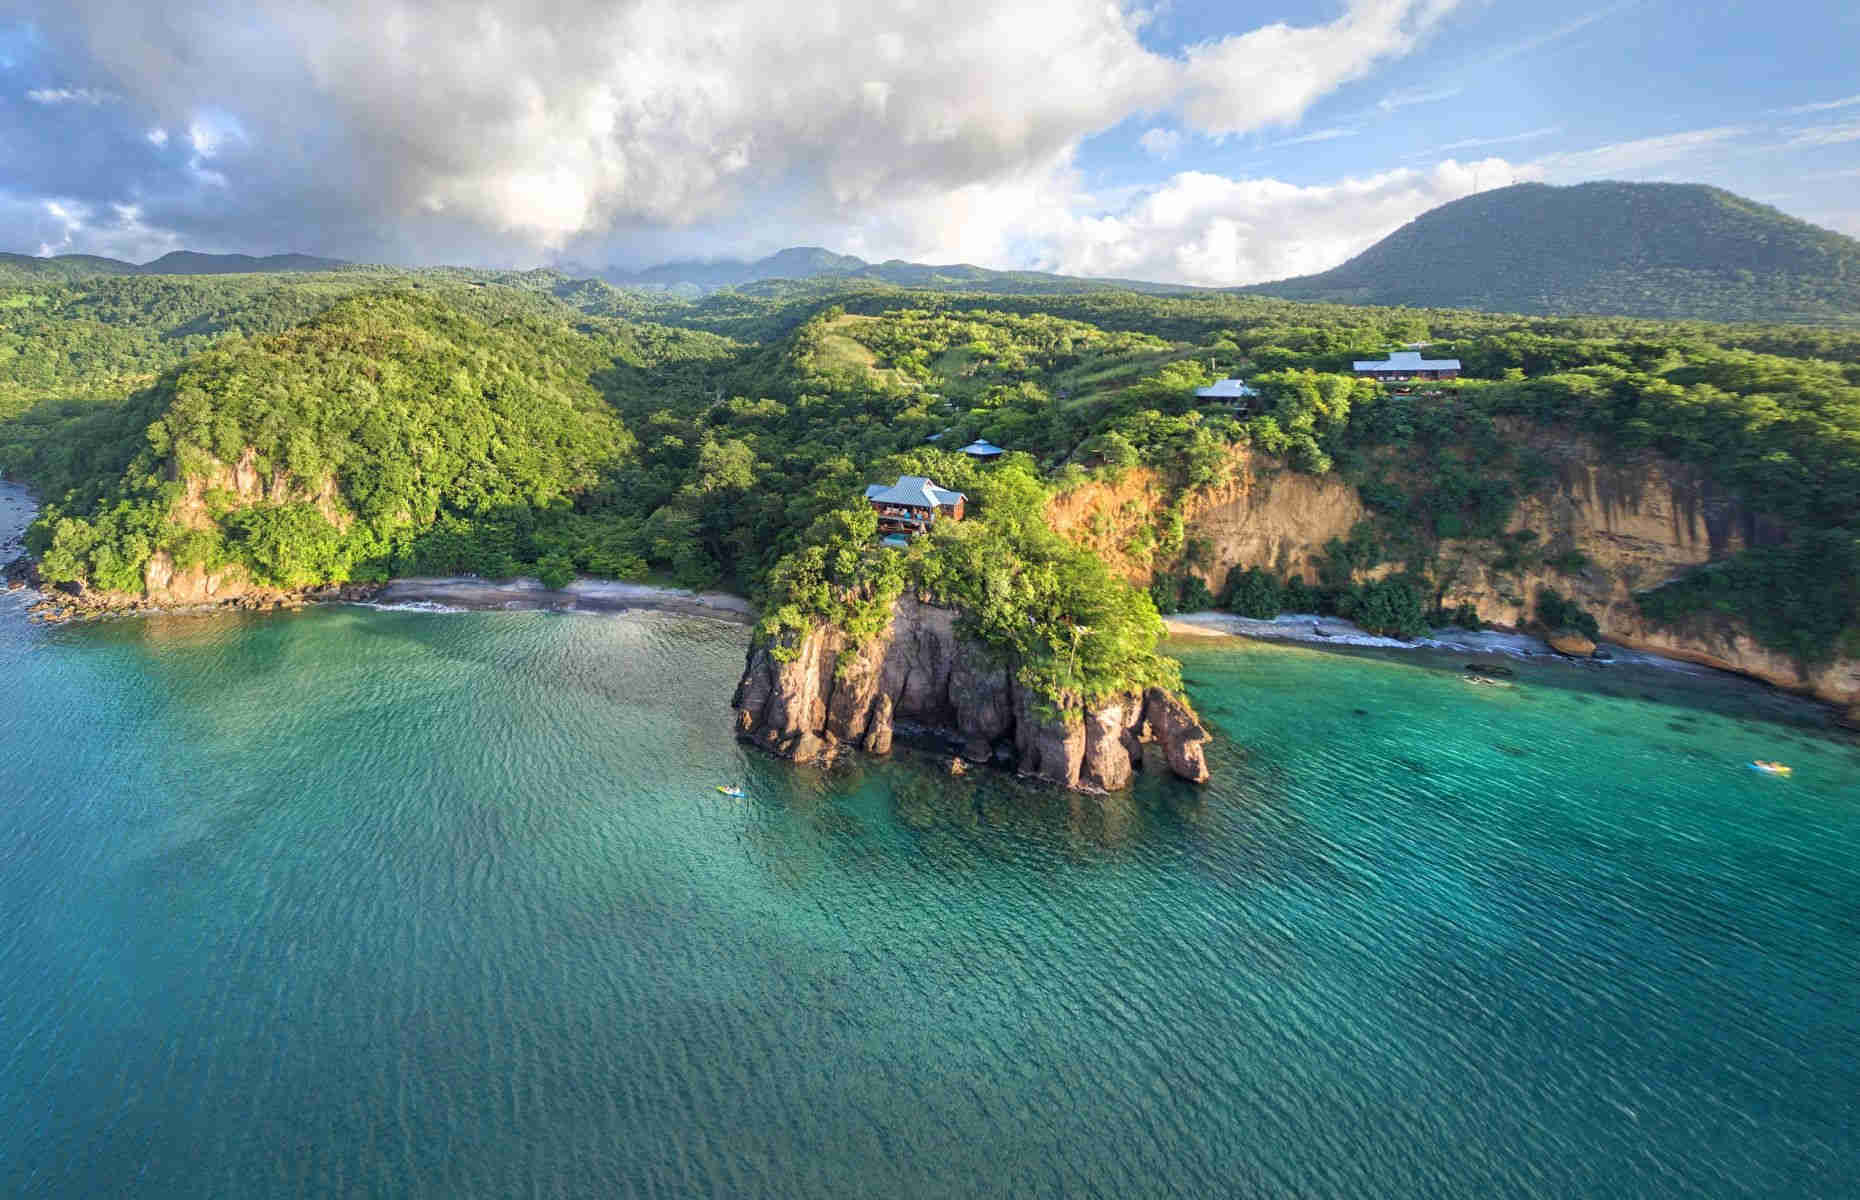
pixel 911 505
pixel 984 450
pixel 1227 389
pixel 1408 364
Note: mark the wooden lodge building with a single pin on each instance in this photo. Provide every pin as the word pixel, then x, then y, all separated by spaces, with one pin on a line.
pixel 911 505
pixel 1232 391
pixel 1405 365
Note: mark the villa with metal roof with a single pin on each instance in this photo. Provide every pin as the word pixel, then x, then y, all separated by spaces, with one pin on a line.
pixel 1408 364
pixel 1227 389
pixel 912 504
pixel 984 449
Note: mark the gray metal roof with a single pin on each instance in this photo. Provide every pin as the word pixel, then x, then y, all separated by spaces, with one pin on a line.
pixel 913 490
pixel 1409 360
pixel 982 447
pixel 1226 389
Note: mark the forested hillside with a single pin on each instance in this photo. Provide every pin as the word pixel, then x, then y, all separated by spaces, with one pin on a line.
pixel 334 450
pixel 354 425
pixel 1647 249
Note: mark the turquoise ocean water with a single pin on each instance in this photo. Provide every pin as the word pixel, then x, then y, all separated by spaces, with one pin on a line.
pixel 354 902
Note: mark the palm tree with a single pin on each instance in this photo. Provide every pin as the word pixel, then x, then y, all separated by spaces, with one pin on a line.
pixel 1078 632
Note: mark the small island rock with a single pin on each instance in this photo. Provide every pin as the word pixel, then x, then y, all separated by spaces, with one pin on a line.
pixel 819 696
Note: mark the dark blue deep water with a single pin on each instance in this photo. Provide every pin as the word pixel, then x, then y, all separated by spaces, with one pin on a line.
pixel 387 903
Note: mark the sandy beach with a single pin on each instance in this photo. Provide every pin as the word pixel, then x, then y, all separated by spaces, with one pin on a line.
pixel 584 595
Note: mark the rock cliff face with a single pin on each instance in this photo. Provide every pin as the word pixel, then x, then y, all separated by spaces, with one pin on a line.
pixel 245 482
pixel 1636 521
pixel 166 585
pixel 828 697
pixel 1264 515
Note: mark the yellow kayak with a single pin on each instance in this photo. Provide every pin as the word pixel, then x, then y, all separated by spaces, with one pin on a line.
pixel 1772 768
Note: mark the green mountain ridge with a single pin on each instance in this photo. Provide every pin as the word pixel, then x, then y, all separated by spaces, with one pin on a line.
pixel 1667 250
pixel 175 262
pixel 817 269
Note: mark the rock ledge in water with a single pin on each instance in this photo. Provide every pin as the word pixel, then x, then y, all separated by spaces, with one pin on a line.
pixel 827 697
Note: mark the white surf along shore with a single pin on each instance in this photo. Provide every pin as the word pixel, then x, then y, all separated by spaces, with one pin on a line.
pixel 1316 630
pixel 466 594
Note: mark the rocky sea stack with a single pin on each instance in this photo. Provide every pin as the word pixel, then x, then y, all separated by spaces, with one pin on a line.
pixel 827 696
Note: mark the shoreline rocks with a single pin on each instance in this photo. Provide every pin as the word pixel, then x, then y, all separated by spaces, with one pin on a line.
pixel 1571 643
pixel 73 602
pixel 827 698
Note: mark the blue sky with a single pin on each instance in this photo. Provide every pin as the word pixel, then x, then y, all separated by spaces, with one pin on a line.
pixel 1202 142
pixel 1524 81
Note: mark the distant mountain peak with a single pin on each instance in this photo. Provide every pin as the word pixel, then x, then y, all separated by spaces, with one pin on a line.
pixel 796 262
pixel 1637 249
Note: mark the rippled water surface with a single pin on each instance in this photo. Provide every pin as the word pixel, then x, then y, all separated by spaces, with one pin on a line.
pixel 358 902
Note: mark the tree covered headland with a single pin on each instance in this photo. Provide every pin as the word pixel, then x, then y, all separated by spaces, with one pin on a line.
pixel 361 424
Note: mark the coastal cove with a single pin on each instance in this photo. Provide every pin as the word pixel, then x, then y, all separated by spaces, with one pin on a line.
pixel 1268 634
pixel 369 901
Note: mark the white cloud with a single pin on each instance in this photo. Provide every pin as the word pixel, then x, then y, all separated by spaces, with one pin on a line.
pixel 560 125
pixel 1822 106
pixel 210 132
pixel 883 127
pixel 1318 135
pixel 1824 135
pixel 1271 75
pixel 1639 154
pixel 545 121
pixel 1208 229
pixel 1161 143
pixel 53 96
pixel 992 223
pixel 1556 34
pixel 1503 140
pixel 1407 99
pixel 67 226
